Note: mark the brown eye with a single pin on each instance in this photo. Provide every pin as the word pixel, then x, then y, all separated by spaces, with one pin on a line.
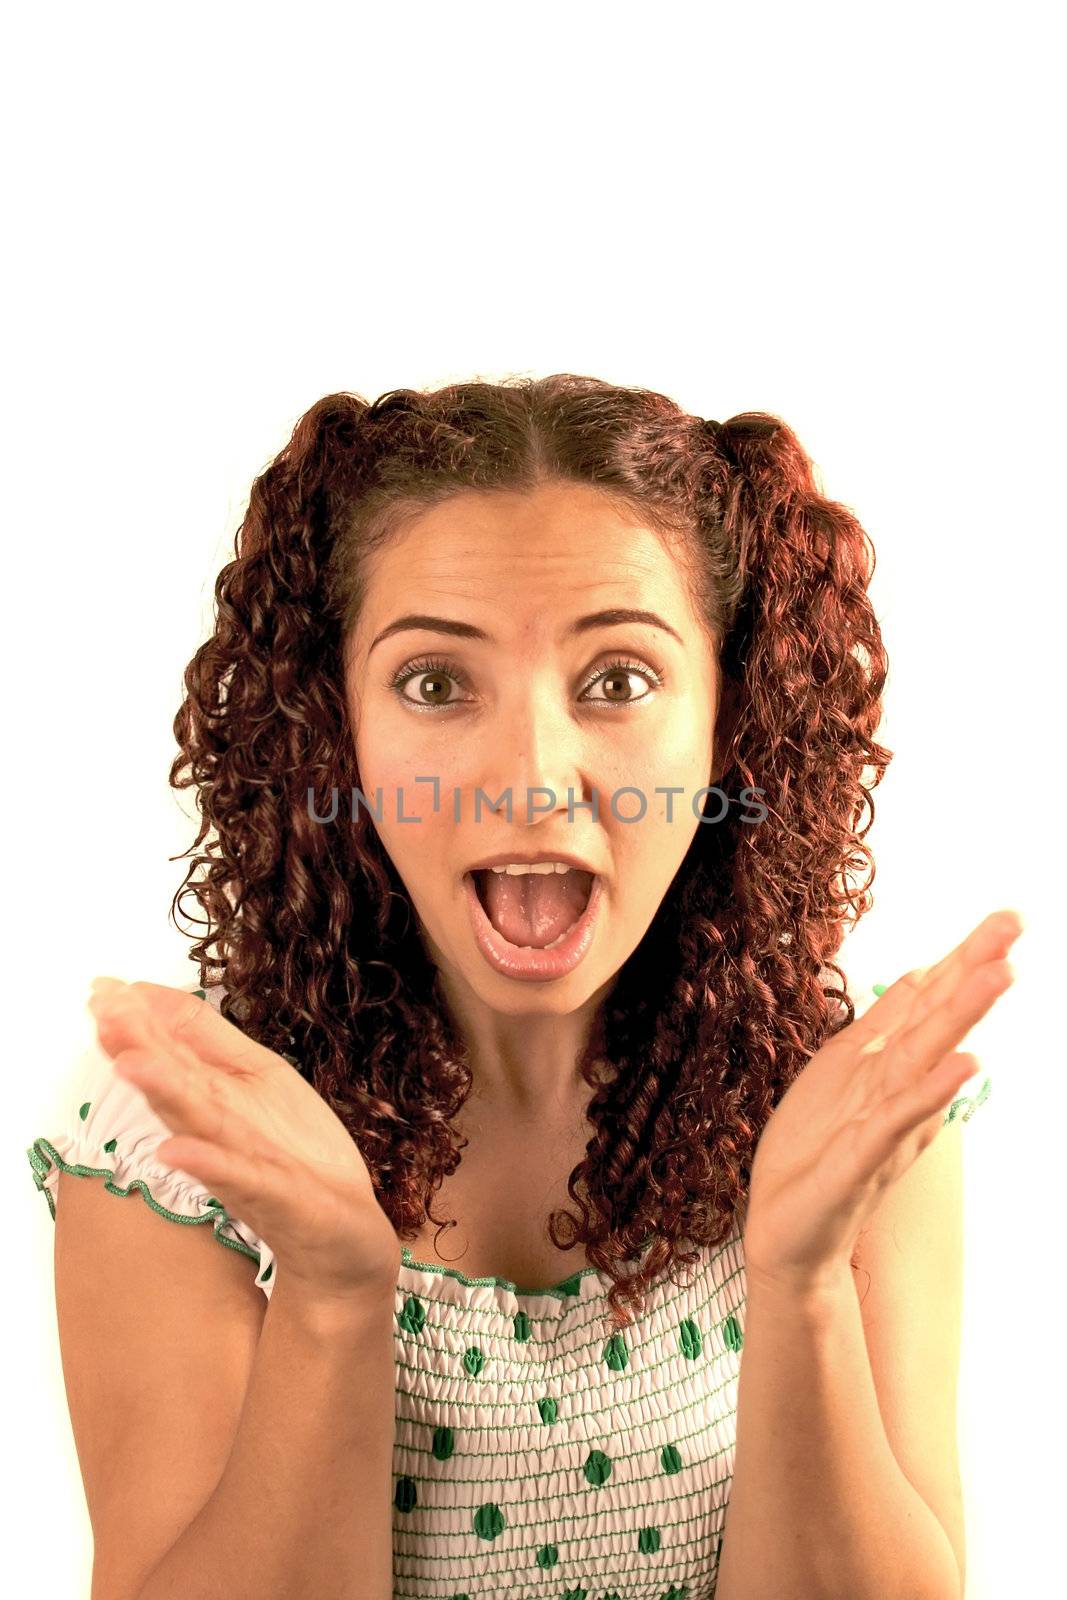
pixel 437 693
pixel 433 678
pixel 614 676
pixel 613 681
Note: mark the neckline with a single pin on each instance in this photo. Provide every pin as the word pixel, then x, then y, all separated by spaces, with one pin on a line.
pixel 562 1290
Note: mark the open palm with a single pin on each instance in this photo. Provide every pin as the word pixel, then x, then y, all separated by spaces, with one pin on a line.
pixel 865 1107
pixel 246 1123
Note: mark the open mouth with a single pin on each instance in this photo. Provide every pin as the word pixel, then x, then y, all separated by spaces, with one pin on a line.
pixel 533 911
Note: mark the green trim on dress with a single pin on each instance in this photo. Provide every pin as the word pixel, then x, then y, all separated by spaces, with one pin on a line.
pixel 43 1156
pixel 562 1290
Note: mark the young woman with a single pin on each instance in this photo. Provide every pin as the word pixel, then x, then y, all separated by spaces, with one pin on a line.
pixel 532 744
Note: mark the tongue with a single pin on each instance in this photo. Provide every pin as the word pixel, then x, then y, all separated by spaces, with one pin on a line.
pixel 533 908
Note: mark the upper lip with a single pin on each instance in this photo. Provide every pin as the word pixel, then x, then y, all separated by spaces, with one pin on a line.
pixel 504 857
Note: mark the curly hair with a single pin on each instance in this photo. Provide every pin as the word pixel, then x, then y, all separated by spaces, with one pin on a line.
pixel 731 990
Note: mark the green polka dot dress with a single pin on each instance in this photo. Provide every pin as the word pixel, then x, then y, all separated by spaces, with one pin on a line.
pixel 538 1453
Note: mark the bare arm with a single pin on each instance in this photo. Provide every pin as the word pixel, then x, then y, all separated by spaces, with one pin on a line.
pixel 819 1505
pixel 303 1506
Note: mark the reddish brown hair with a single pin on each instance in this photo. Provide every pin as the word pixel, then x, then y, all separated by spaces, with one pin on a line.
pixel 310 929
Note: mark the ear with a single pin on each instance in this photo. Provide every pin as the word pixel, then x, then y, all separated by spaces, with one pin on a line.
pixel 726 721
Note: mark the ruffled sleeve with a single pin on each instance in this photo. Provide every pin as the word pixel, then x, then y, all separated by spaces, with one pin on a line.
pixel 972 1094
pixel 111 1134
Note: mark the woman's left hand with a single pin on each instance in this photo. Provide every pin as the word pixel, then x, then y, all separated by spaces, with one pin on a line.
pixel 864 1108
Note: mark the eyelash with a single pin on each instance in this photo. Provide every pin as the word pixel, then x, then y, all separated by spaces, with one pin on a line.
pixel 436 664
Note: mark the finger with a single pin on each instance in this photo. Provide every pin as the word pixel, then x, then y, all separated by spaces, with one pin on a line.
pixel 252 1185
pixel 929 1098
pixel 127 1015
pixel 990 940
pixel 189 1102
pixel 968 1065
pixel 187 1019
pixel 188 1093
pixel 195 1022
pixel 918 990
pixel 909 1109
pixel 195 1104
pixel 123 1019
pixel 920 1045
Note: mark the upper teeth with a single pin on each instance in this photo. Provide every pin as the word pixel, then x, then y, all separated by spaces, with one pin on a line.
pixel 515 868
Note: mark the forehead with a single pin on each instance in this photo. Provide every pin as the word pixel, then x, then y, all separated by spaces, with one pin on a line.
pixel 523 550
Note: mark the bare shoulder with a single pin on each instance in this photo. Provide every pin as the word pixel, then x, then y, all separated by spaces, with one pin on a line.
pixel 158 1326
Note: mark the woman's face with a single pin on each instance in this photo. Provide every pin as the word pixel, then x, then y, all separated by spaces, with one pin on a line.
pixel 517 700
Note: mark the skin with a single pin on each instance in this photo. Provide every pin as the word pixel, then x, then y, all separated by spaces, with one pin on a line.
pixel 520 716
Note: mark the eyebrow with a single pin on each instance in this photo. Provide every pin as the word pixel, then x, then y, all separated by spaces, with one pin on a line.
pixel 466 630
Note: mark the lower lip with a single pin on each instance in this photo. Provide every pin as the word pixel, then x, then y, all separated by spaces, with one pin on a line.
pixel 533 966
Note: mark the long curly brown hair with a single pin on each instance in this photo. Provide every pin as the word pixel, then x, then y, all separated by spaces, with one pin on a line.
pixel 731 990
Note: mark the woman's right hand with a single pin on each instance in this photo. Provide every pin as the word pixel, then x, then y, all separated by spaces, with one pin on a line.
pixel 244 1122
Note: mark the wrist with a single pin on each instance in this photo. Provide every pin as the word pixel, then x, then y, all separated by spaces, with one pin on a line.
pixel 800 1291
pixel 319 1312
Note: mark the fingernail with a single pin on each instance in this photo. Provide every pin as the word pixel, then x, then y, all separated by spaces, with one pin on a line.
pixel 105 983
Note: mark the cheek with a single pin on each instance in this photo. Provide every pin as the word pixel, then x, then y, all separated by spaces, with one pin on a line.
pixel 416 811
pixel 417 787
pixel 651 848
pixel 676 757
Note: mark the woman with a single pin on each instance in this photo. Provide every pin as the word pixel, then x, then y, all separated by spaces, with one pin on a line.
pixel 534 736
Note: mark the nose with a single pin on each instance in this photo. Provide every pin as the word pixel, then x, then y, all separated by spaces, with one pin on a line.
pixel 535 751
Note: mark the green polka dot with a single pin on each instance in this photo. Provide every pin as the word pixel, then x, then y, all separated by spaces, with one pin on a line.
pixel 597 1467
pixel 879 988
pixel 615 1353
pixel 570 1285
pixel 689 1339
pixel 200 994
pixel 670 1458
pixel 675 1593
pixel 84 1110
pixel 547 1409
pixel 575 1594
pixel 406 1495
pixel 731 1332
pixel 648 1541
pixel 444 1442
pixel 474 1361
pixel 522 1327
pixel 110 1146
pixel 413 1317
pixel 488 1521
pixel 547 1556
pixel 268 1274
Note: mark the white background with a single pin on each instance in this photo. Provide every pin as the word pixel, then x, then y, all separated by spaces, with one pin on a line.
pixel 843 215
